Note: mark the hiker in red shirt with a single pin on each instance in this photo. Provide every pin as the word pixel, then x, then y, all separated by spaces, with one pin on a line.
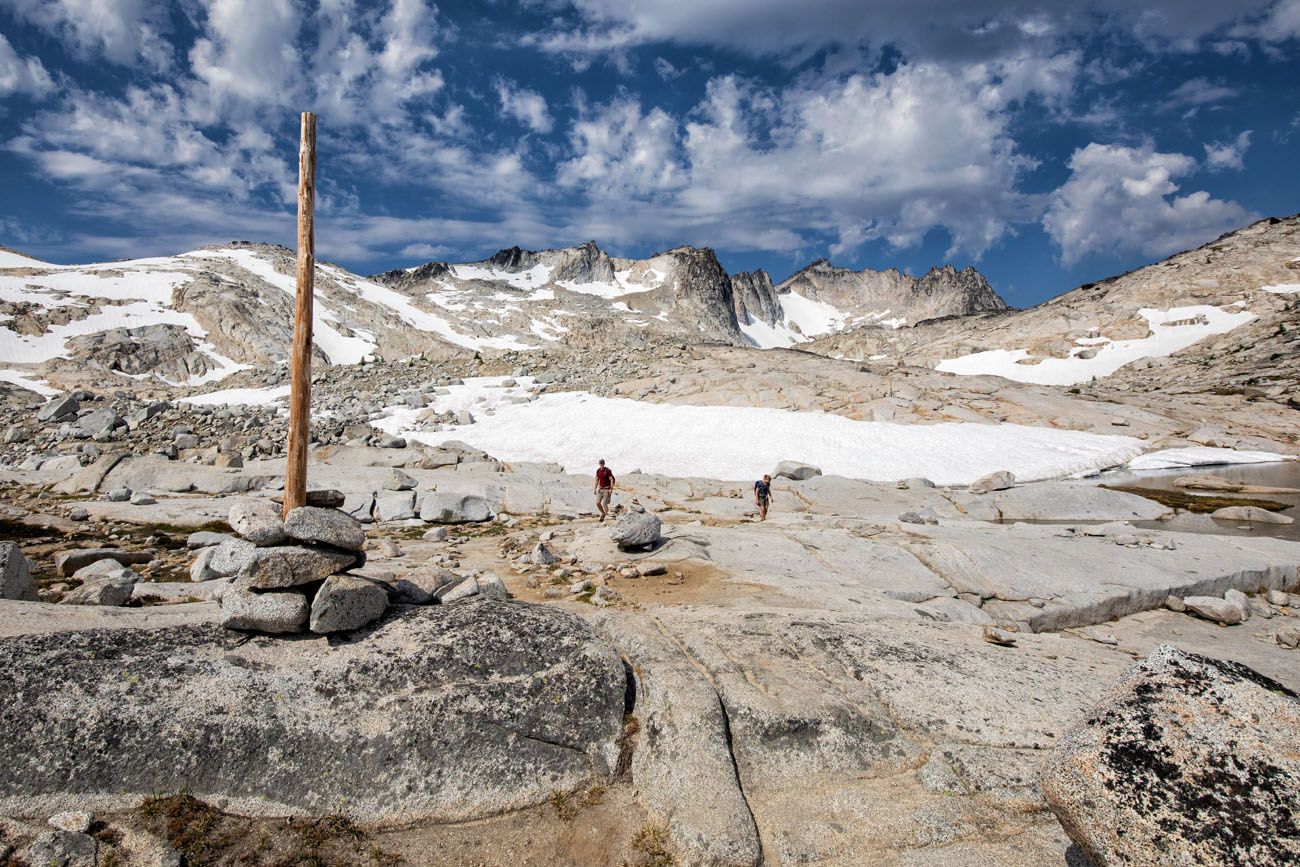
pixel 604 489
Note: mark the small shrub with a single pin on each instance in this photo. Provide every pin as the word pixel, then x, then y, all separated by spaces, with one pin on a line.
pixel 650 842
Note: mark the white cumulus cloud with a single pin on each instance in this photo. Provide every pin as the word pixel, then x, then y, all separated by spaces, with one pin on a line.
pixel 526 106
pixel 1121 199
pixel 22 75
pixel 125 32
pixel 1227 155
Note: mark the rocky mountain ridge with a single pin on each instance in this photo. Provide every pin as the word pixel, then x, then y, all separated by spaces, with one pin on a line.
pixel 687 288
pixel 1225 315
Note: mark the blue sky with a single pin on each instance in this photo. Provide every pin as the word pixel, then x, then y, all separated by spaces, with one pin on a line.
pixel 1045 145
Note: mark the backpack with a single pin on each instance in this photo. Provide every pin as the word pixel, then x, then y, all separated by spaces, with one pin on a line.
pixel 763 490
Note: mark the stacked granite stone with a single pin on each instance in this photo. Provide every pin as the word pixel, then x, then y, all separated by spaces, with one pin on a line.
pixel 295 575
pixel 292 575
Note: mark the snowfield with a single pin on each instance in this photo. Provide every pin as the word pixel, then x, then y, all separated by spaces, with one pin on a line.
pixel 1201 456
pixel 1282 288
pixel 240 396
pixel 1166 338
pixel 574 429
pixel 143 288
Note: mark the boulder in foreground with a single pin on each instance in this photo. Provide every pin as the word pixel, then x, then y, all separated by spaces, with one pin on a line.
pixel 442 713
pixel 1186 761
pixel 636 530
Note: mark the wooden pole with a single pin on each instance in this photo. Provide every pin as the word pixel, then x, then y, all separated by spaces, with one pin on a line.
pixel 295 473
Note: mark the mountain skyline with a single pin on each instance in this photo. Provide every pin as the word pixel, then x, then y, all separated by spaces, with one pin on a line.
pixel 1043 146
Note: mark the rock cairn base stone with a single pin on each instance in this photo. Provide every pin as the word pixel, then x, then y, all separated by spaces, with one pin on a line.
pixel 344 603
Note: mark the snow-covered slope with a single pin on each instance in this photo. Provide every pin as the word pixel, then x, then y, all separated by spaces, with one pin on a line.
pixel 14 259
pixel 201 315
pixel 1095 356
pixel 1223 316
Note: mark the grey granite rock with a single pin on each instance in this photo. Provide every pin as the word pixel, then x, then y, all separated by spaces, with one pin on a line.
pixel 1250 515
pixel 395 506
pixel 58 408
pixel 795 470
pixel 542 555
pixel 201 569
pixel 62 849
pixel 204 539
pixel 450 508
pixel 1186 761
pixel 1214 608
pixel 16 574
pixel 326 527
pixel 530 687
pixel 345 602
pixel 231 556
pixel 420 587
pixel 292 566
pixel 636 530
pixel 259 522
pixel 396 480
pixel 279 611
pixel 109 586
pixel 999 481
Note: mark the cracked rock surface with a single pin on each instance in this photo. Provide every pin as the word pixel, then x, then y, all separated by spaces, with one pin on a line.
pixel 445 713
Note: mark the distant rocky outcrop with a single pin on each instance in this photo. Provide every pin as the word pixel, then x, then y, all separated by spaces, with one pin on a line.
pixel 755 297
pixel 684 293
pixel 894 295
pixel 1236 297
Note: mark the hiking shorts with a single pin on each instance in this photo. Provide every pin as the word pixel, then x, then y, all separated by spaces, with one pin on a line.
pixel 603 495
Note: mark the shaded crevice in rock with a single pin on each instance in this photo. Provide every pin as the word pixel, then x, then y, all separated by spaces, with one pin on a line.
pixel 740 782
pixel 726 727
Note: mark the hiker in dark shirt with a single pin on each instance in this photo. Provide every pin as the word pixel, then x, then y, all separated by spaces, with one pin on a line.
pixel 604 489
pixel 763 496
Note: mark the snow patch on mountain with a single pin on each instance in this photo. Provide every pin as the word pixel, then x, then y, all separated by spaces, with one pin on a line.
pixel 22 380
pixel 338 348
pixel 1171 330
pixel 143 296
pixel 524 281
pixel 764 336
pixel 382 296
pixel 10 259
pixel 240 397
pixel 1282 288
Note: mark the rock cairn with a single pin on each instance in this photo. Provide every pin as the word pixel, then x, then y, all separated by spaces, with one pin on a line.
pixel 298 574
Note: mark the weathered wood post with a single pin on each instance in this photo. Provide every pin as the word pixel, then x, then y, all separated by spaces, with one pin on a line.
pixel 295 473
